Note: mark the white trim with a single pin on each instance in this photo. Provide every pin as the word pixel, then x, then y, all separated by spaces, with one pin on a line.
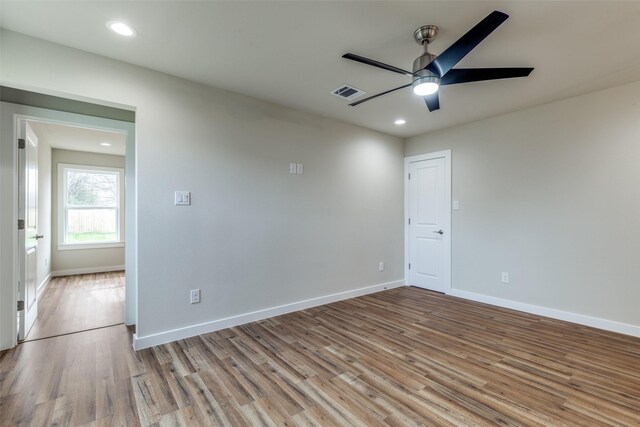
pixel 140 343
pixel 44 284
pixel 581 319
pixel 69 118
pixel 447 191
pixel 92 245
pixel 87 270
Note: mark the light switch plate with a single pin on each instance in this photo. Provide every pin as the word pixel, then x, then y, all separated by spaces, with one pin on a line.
pixel 456 205
pixel 182 198
pixel 293 168
pixel 299 169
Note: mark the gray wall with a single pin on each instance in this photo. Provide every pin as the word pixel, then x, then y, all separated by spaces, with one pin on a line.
pixel 255 237
pixel 552 196
pixel 78 259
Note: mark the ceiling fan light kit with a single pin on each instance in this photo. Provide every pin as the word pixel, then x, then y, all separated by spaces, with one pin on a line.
pixel 425 82
pixel 424 86
pixel 430 71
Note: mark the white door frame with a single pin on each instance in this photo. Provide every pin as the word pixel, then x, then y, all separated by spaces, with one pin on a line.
pixel 30 311
pixel 9 201
pixel 447 194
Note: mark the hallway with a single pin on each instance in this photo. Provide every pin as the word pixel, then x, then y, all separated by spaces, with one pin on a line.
pixel 79 303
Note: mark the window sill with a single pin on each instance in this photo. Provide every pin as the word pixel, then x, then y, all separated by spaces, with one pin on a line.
pixel 79 246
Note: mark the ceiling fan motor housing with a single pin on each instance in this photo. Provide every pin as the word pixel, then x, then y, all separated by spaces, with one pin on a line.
pixel 420 73
pixel 423 36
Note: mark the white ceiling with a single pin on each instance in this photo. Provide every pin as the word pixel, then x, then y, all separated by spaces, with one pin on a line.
pixel 290 52
pixel 74 138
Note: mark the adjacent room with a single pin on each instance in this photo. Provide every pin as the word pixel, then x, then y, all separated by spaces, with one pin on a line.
pixel 78 246
pixel 392 213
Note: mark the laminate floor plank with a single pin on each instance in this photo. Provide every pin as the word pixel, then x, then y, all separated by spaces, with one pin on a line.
pixel 403 357
pixel 77 303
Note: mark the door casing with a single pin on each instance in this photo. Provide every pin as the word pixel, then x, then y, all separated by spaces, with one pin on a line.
pixel 446 154
pixel 11 114
pixel 27 271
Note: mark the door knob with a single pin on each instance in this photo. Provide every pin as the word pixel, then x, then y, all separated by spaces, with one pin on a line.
pixel 440 232
pixel 39 236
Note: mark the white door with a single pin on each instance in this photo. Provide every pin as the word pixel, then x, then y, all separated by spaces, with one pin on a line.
pixel 28 236
pixel 429 224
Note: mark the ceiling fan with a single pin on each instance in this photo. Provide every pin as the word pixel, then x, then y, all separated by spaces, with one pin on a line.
pixel 432 71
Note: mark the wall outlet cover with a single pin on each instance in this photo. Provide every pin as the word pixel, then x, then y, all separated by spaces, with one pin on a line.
pixel 195 296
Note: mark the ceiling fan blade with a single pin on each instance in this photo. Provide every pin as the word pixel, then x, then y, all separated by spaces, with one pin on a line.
pixel 375 63
pixel 466 75
pixel 432 101
pixel 353 104
pixel 465 44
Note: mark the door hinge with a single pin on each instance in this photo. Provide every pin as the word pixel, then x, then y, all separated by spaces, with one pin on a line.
pixel 20 305
pixel 409 221
pixel 21 144
pixel 409 266
pixel 21 224
pixel 409 177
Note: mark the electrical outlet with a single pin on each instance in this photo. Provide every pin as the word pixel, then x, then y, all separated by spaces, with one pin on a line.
pixel 505 277
pixel 195 296
pixel 381 266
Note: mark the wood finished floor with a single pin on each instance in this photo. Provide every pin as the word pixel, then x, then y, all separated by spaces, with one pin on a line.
pixel 77 303
pixel 402 357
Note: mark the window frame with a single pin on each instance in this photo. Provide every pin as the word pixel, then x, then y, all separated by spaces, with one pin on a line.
pixel 62 207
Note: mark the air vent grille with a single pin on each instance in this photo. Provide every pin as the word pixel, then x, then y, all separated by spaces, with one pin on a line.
pixel 347 92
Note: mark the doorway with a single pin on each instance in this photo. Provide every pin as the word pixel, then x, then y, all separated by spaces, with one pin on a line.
pixel 38 256
pixel 428 221
pixel 72 265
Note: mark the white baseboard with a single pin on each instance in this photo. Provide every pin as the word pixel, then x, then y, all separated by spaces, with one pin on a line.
pixel 44 284
pixel 190 331
pixel 89 270
pixel 581 319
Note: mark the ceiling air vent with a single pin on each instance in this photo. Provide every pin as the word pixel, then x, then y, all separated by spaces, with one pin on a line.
pixel 348 92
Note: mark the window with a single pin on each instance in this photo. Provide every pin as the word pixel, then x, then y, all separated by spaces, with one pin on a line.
pixel 90 200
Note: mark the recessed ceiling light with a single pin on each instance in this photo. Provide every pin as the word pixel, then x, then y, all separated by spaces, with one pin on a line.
pixel 121 28
pixel 105 144
pixel 400 121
